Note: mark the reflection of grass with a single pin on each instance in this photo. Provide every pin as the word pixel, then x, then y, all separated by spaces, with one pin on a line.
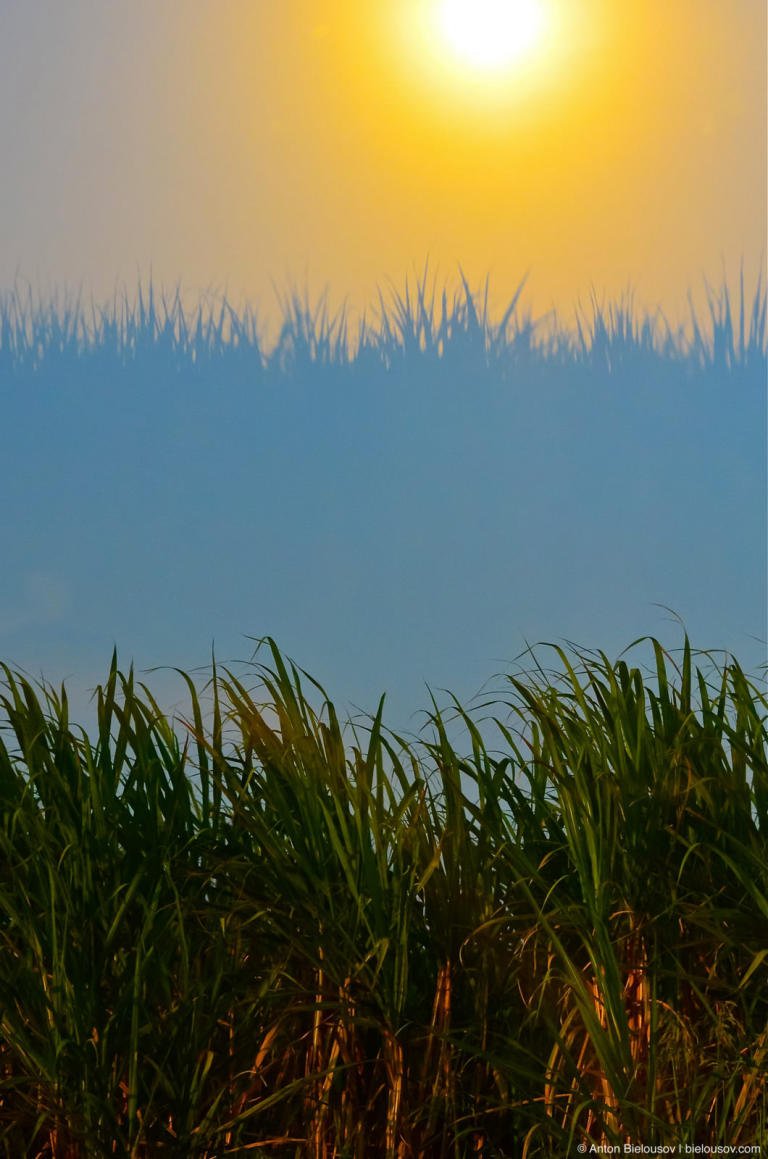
pixel 319 943
pixel 156 333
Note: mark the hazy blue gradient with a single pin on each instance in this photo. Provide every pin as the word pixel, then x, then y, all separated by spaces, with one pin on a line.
pixel 402 517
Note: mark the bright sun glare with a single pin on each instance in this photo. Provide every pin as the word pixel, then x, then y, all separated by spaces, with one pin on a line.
pixel 490 35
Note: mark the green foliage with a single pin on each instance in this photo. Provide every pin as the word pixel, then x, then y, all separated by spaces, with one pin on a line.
pixel 265 931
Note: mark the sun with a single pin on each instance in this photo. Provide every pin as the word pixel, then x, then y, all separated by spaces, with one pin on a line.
pixel 490 36
pixel 485 66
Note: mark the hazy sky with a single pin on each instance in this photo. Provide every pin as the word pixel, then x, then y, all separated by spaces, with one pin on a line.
pixel 404 531
pixel 233 143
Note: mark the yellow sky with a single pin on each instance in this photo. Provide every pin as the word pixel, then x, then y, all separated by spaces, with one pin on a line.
pixel 240 142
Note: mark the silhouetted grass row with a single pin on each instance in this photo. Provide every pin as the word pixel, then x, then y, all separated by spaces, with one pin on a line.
pixel 154 331
pixel 283 935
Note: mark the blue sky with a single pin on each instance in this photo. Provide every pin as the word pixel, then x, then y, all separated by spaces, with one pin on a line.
pixel 388 529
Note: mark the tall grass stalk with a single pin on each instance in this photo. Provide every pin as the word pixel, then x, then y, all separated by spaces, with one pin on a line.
pixel 280 934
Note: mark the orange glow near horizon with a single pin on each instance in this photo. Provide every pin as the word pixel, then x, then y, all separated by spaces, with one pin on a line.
pixel 329 143
pixel 595 161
